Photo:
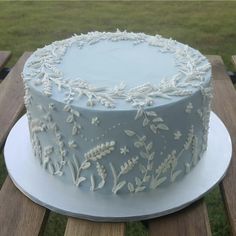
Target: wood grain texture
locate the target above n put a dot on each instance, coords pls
(4, 58)
(218, 68)
(88, 228)
(18, 214)
(11, 98)
(225, 107)
(192, 220)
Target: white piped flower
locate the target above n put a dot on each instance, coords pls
(95, 121)
(72, 144)
(124, 150)
(51, 106)
(177, 135)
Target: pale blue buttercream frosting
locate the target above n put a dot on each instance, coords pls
(107, 63)
(118, 113)
(117, 72)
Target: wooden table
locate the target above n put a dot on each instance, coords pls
(20, 216)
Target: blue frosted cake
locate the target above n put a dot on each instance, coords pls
(117, 113)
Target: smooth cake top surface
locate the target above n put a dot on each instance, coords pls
(118, 70)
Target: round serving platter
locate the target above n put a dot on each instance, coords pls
(50, 192)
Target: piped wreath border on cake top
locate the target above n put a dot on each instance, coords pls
(139, 97)
(192, 68)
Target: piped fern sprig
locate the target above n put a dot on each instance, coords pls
(72, 118)
(148, 155)
(37, 125)
(76, 169)
(151, 120)
(102, 174)
(94, 154)
(124, 169)
(27, 97)
(99, 151)
(170, 162)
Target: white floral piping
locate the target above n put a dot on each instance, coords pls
(191, 65)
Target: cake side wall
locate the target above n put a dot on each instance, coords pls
(117, 152)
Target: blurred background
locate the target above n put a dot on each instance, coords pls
(208, 26)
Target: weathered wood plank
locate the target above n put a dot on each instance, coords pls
(11, 98)
(218, 68)
(88, 228)
(4, 58)
(192, 220)
(18, 214)
(225, 107)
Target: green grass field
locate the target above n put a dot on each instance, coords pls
(207, 26)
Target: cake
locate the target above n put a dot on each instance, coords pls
(117, 112)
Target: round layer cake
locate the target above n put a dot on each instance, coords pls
(118, 112)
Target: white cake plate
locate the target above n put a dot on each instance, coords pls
(50, 192)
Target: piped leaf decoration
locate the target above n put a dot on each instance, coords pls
(140, 189)
(175, 175)
(146, 178)
(72, 170)
(76, 163)
(162, 126)
(150, 166)
(157, 119)
(130, 133)
(67, 108)
(114, 174)
(51, 168)
(151, 113)
(47, 86)
(101, 184)
(76, 113)
(80, 180)
(72, 144)
(145, 122)
(151, 156)
(153, 128)
(131, 187)
(85, 165)
(102, 174)
(92, 187)
(75, 130)
(100, 151)
(138, 181)
(187, 167)
(59, 173)
(70, 119)
(43, 68)
(119, 186)
(128, 166)
(144, 155)
(149, 146)
(157, 182)
(142, 168)
(138, 144)
(139, 114)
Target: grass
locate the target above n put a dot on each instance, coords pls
(207, 26)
